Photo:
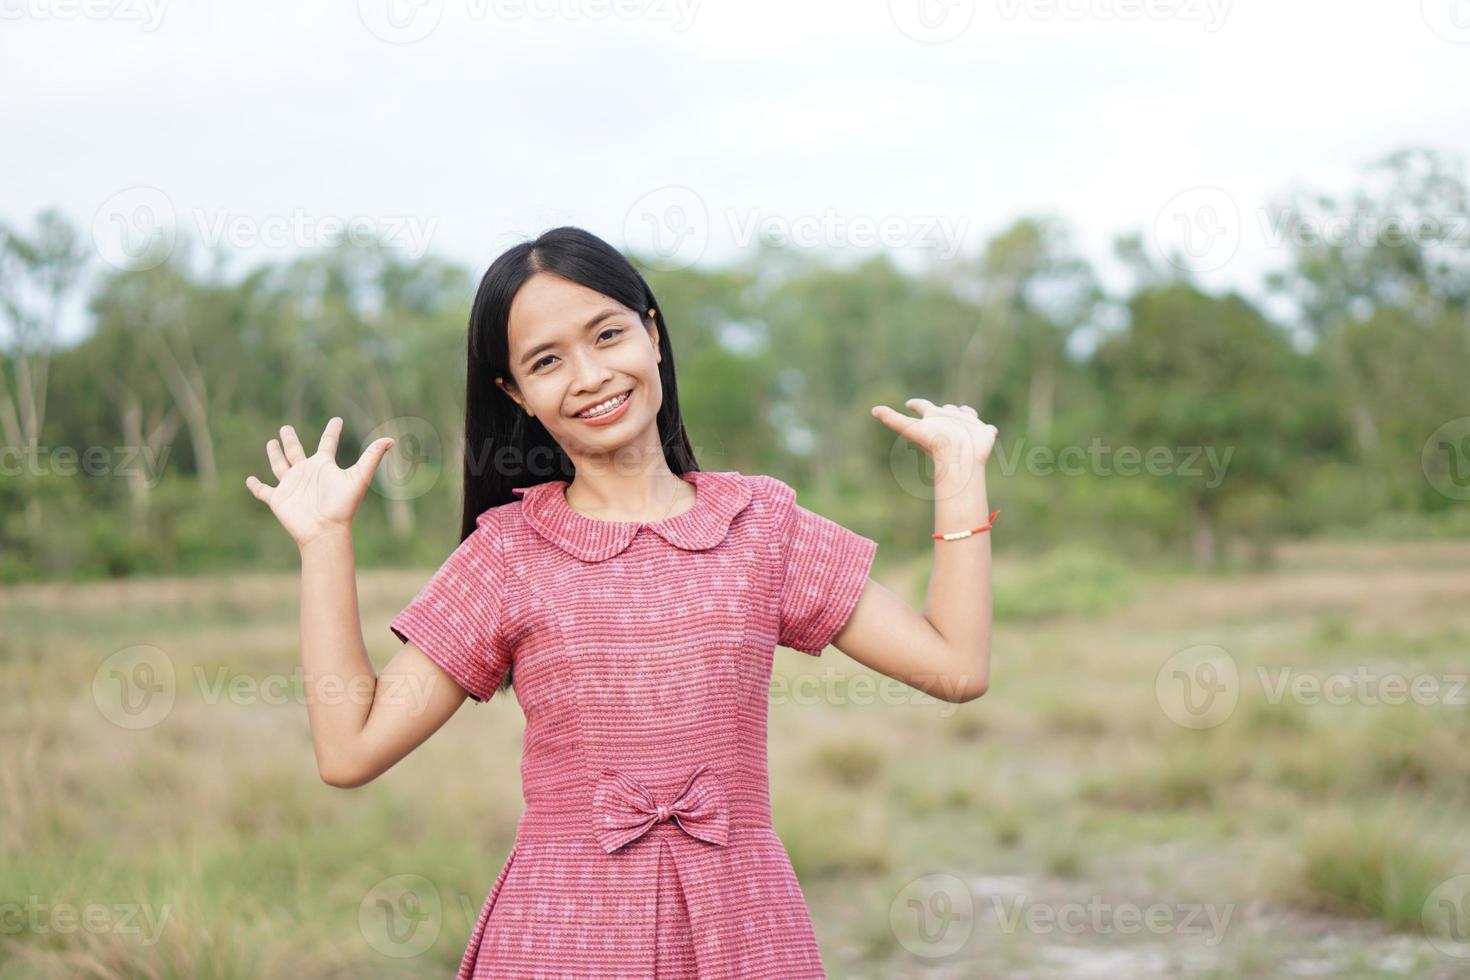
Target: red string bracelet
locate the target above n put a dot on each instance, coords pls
(956, 535)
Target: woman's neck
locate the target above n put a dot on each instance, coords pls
(646, 497)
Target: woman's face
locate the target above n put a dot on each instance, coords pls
(573, 349)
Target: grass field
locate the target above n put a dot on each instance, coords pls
(1263, 775)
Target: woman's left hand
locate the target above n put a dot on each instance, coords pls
(945, 432)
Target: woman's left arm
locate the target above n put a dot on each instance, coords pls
(945, 651)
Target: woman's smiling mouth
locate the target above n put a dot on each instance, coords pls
(607, 410)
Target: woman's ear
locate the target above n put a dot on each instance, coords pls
(653, 330)
(510, 393)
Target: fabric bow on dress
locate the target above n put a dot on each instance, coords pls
(623, 809)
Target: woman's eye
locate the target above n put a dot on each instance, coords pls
(615, 331)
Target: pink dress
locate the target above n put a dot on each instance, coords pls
(642, 662)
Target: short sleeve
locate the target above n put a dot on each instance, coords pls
(824, 567)
(456, 617)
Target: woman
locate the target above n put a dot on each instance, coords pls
(637, 601)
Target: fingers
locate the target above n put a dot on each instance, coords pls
(279, 466)
(924, 405)
(897, 421)
(292, 445)
(921, 405)
(367, 463)
(966, 409)
(327, 446)
(260, 490)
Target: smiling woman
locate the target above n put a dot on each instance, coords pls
(642, 643)
(603, 372)
(638, 601)
(571, 374)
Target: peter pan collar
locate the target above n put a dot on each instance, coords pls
(720, 495)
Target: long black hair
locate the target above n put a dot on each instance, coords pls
(503, 446)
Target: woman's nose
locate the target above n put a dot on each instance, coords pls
(591, 373)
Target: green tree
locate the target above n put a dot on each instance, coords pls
(1193, 370)
(1035, 293)
(39, 273)
(379, 339)
(1371, 272)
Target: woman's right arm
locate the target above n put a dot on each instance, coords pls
(362, 723)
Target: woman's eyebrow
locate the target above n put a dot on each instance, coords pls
(596, 319)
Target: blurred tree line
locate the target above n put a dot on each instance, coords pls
(1167, 421)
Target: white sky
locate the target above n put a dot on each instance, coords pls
(465, 125)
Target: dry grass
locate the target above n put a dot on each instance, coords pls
(1320, 826)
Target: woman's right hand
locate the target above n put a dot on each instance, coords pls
(314, 495)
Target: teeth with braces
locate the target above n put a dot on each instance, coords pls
(604, 407)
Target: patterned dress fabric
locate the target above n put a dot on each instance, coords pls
(640, 654)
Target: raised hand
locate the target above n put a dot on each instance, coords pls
(314, 495)
(944, 432)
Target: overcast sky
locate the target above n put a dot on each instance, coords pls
(685, 126)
